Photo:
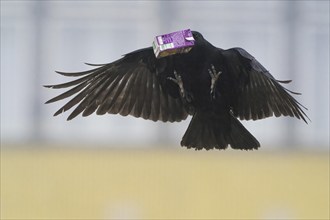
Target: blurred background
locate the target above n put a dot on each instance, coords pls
(114, 167)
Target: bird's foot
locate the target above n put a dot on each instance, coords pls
(178, 80)
(214, 78)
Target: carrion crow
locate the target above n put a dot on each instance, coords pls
(213, 85)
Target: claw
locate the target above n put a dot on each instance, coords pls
(178, 81)
(214, 77)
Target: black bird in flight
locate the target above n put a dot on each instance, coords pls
(213, 85)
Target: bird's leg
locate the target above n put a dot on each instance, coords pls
(214, 78)
(178, 81)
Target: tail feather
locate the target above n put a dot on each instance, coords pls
(210, 131)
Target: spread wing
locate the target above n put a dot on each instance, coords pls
(128, 86)
(256, 94)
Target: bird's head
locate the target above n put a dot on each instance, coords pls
(197, 36)
(199, 39)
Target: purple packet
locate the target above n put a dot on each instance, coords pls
(173, 43)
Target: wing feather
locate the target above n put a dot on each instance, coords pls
(155, 107)
(91, 93)
(257, 93)
(128, 86)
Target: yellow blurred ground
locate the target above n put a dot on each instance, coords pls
(163, 184)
